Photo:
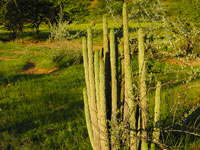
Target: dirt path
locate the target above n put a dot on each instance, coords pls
(182, 61)
(66, 44)
(6, 58)
(31, 68)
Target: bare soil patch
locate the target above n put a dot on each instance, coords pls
(66, 44)
(182, 61)
(3, 50)
(30, 68)
(22, 52)
(6, 58)
(39, 71)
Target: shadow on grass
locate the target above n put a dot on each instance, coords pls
(79, 33)
(183, 131)
(19, 77)
(43, 35)
(56, 115)
(194, 118)
(8, 36)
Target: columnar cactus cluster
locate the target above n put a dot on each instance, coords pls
(126, 128)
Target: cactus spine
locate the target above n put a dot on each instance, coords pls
(102, 112)
(87, 117)
(142, 89)
(93, 107)
(156, 132)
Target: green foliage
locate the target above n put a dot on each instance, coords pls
(16, 14)
(64, 59)
(99, 8)
(75, 10)
(40, 11)
(59, 32)
(187, 10)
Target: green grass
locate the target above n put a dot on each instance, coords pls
(28, 34)
(80, 28)
(178, 97)
(45, 111)
(40, 111)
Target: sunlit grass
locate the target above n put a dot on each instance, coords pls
(45, 110)
(40, 111)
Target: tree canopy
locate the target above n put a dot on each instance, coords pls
(15, 14)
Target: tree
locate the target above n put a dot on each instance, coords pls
(14, 16)
(75, 10)
(40, 11)
(16, 13)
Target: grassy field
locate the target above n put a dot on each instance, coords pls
(41, 104)
(75, 29)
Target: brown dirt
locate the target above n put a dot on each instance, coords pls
(30, 68)
(66, 44)
(183, 61)
(6, 58)
(22, 52)
(39, 71)
(3, 50)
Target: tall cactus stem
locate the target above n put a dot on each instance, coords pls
(96, 66)
(93, 108)
(86, 96)
(129, 111)
(97, 82)
(105, 37)
(156, 132)
(127, 61)
(103, 118)
(114, 81)
(107, 67)
(142, 89)
(131, 105)
(122, 85)
(87, 117)
(85, 62)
